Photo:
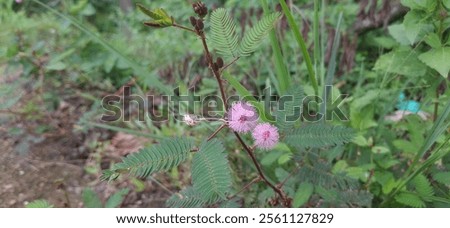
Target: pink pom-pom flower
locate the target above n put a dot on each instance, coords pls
(242, 117)
(266, 136)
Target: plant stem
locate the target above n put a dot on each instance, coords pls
(261, 174)
(185, 28)
(217, 75)
(216, 132)
(245, 187)
(280, 185)
(229, 64)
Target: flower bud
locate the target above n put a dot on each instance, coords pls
(200, 25)
(219, 62)
(215, 67)
(193, 21)
(200, 9)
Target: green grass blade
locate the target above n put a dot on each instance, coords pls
(317, 50)
(139, 69)
(438, 128)
(283, 76)
(323, 41)
(435, 156)
(302, 44)
(331, 67)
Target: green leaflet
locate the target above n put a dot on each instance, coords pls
(304, 192)
(289, 108)
(319, 135)
(91, 199)
(253, 38)
(187, 198)
(211, 175)
(423, 186)
(410, 199)
(169, 153)
(442, 177)
(117, 198)
(224, 36)
(39, 204)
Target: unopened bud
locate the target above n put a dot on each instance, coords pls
(219, 62)
(215, 67)
(200, 25)
(193, 21)
(200, 9)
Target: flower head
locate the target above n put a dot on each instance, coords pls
(266, 136)
(242, 117)
(190, 120)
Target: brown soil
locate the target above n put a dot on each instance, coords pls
(51, 165)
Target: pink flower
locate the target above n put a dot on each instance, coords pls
(266, 136)
(242, 117)
(18, 1)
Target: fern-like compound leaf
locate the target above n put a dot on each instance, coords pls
(319, 135)
(39, 204)
(211, 175)
(253, 38)
(423, 186)
(289, 108)
(223, 30)
(410, 199)
(187, 198)
(169, 153)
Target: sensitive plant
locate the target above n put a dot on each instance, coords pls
(211, 175)
(389, 163)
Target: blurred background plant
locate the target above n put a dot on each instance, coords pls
(59, 58)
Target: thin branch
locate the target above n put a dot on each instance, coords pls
(280, 185)
(215, 72)
(185, 28)
(216, 132)
(229, 64)
(257, 179)
(160, 185)
(260, 172)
